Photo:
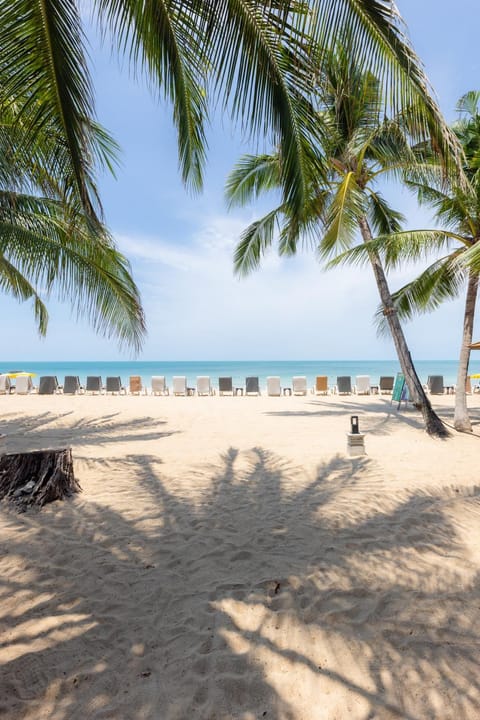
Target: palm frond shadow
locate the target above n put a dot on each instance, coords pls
(191, 601)
(382, 419)
(37, 431)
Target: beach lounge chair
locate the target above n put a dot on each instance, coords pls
(135, 385)
(94, 384)
(299, 385)
(71, 385)
(344, 385)
(252, 386)
(204, 386)
(159, 386)
(48, 385)
(179, 385)
(23, 385)
(386, 384)
(362, 384)
(321, 385)
(273, 386)
(225, 386)
(114, 385)
(5, 384)
(435, 385)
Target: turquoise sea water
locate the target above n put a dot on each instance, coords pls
(239, 370)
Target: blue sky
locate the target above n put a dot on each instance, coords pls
(180, 246)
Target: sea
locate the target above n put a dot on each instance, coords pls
(237, 369)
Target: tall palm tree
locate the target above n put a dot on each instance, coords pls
(359, 145)
(457, 210)
(49, 244)
(240, 51)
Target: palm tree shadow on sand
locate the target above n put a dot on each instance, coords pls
(259, 596)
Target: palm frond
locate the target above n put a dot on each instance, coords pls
(13, 283)
(347, 205)
(251, 176)
(164, 40)
(254, 242)
(381, 46)
(45, 80)
(61, 253)
(384, 220)
(442, 280)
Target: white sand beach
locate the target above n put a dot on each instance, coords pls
(227, 560)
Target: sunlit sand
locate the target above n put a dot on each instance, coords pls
(227, 560)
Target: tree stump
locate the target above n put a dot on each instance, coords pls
(36, 478)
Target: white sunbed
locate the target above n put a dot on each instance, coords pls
(4, 384)
(204, 386)
(159, 386)
(179, 385)
(273, 386)
(362, 384)
(299, 385)
(23, 385)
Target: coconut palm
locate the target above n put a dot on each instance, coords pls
(358, 147)
(238, 51)
(457, 210)
(50, 245)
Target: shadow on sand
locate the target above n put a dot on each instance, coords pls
(257, 598)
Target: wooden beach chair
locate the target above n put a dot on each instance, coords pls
(321, 385)
(385, 384)
(135, 385)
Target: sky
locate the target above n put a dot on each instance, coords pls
(180, 246)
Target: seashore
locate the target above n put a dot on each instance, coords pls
(227, 560)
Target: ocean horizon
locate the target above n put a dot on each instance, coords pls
(237, 369)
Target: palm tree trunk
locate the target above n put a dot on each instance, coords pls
(461, 419)
(433, 424)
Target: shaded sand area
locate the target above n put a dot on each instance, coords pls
(226, 560)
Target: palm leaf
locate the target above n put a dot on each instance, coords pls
(254, 241)
(251, 176)
(164, 40)
(346, 206)
(45, 79)
(13, 283)
(57, 252)
(443, 280)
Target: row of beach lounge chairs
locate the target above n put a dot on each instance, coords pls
(49, 385)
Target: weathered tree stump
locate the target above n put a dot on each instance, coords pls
(36, 478)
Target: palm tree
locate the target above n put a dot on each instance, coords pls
(359, 146)
(253, 55)
(48, 243)
(457, 209)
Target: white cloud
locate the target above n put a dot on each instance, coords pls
(196, 308)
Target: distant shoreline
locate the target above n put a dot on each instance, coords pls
(237, 369)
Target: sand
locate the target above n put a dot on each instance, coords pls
(227, 560)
